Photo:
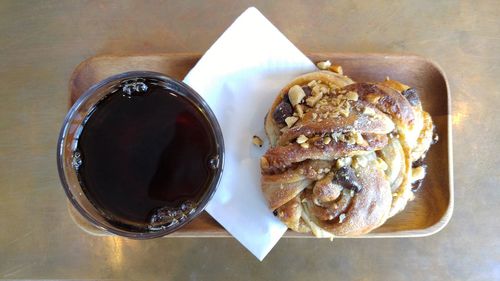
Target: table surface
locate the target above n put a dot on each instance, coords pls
(42, 42)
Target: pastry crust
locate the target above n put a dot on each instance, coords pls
(342, 163)
(337, 80)
(366, 210)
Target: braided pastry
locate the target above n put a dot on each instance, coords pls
(340, 161)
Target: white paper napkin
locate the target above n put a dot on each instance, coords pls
(239, 77)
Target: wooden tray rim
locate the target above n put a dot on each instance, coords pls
(424, 232)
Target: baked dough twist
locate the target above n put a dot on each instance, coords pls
(340, 161)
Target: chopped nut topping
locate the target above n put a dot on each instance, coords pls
(312, 84)
(342, 162)
(345, 112)
(334, 114)
(342, 137)
(359, 161)
(341, 218)
(337, 69)
(351, 140)
(300, 110)
(301, 139)
(304, 145)
(257, 141)
(323, 65)
(369, 111)
(314, 115)
(359, 138)
(336, 136)
(327, 140)
(320, 88)
(312, 100)
(382, 164)
(296, 94)
(335, 206)
(290, 121)
(418, 173)
(333, 87)
(352, 96)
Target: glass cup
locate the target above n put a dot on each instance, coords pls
(73, 125)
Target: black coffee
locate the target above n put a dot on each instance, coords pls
(144, 156)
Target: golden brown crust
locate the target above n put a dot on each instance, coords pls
(388, 101)
(282, 157)
(290, 213)
(424, 140)
(394, 157)
(415, 140)
(363, 212)
(280, 188)
(377, 123)
(272, 129)
(342, 163)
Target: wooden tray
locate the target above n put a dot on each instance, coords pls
(427, 214)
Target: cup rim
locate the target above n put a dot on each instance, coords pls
(187, 92)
